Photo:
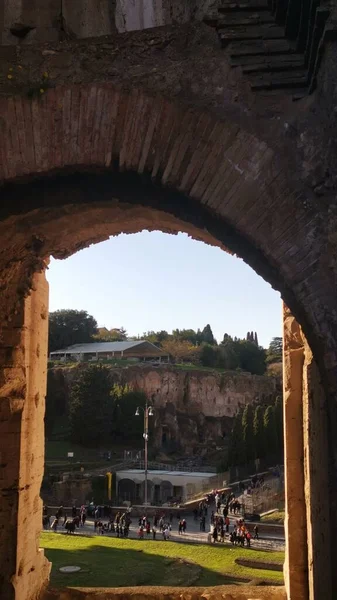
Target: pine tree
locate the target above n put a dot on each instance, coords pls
(248, 433)
(256, 339)
(258, 428)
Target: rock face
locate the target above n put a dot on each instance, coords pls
(33, 21)
(193, 409)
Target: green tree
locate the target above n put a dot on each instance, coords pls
(207, 335)
(259, 432)
(278, 411)
(187, 335)
(91, 406)
(228, 357)
(274, 352)
(251, 357)
(236, 455)
(125, 423)
(112, 335)
(270, 432)
(156, 337)
(68, 327)
(248, 433)
(56, 399)
(208, 355)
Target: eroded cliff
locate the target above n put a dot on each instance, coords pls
(193, 408)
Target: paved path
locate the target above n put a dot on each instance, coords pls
(192, 535)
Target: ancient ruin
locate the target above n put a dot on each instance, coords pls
(194, 409)
(166, 129)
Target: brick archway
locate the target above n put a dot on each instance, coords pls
(87, 161)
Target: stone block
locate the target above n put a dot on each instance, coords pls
(88, 18)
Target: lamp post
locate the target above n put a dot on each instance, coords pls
(148, 412)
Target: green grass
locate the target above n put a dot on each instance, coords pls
(276, 517)
(111, 562)
(58, 450)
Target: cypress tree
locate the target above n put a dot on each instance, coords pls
(248, 433)
(236, 448)
(207, 335)
(270, 432)
(279, 425)
(258, 428)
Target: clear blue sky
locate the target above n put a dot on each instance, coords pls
(152, 281)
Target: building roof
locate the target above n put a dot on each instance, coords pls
(196, 474)
(104, 347)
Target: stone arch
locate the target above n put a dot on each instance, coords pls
(126, 489)
(218, 180)
(166, 491)
(93, 160)
(150, 490)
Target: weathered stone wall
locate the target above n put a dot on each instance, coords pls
(309, 561)
(141, 14)
(196, 407)
(24, 570)
(32, 21)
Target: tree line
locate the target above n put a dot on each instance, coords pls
(103, 411)
(68, 327)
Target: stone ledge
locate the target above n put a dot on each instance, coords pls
(169, 593)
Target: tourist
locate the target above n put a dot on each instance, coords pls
(83, 518)
(54, 524)
(141, 533)
(73, 511)
(180, 527)
(222, 533)
(212, 517)
(154, 532)
(59, 512)
(215, 535)
(227, 524)
(46, 521)
(148, 528)
(248, 538)
(256, 532)
(184, 525)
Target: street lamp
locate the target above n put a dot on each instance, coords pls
(148, 412)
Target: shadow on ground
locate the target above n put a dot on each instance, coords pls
(102, 566)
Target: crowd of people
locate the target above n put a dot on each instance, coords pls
(223, 505)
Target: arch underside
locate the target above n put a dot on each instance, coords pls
(93, 159)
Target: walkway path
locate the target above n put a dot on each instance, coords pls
(192, 535)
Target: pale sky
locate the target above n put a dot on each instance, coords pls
(153, 281)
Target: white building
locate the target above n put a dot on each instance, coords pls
(163, 486)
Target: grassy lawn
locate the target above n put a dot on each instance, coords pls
(111, 562)
(276, 517)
